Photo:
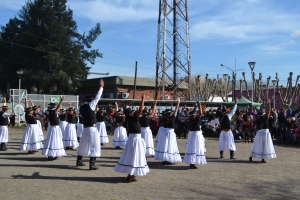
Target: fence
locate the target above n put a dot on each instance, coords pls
(18, 103)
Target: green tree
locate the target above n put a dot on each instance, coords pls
(43, 41)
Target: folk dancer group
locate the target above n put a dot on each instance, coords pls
(131, 132)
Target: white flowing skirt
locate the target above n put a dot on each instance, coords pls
(41, 134)
(195, 149)
(263, 146)
(133, 159)
(102, 131)
(31, 139)
(3, 134)
(226, 141)
(54, 145)
(159, 133)
(62, 126)
(79, 130)
(167, 149)
(120, 137)
(147, 136)
(89, 143)
(69, 136)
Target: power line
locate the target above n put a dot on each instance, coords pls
(24, 46)
(60, 44)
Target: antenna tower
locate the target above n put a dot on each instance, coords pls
(173, 69)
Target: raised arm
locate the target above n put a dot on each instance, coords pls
(233, 109)
(4, 101)
(154, 108)
(177, 107)
(31, 102)
(94, 102)
(200, 109)
(26, 103)
(141, 108)
(58, 106)
(117, 106)
(269, 108)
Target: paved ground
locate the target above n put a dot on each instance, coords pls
(26, 176)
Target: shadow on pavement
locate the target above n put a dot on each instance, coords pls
(37, 175)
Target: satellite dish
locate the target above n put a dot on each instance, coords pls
(19, 109)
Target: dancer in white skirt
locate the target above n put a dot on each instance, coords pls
(263, 145)
(146, 131)
(62, 120)
(133, 158)
(195, 145)
(161, 128)
(54, 147)
(90, 141)
(36, 114)
(167, 149)
(120, 135)
(31, 140)
(79, 130)
(4, 121)
(69, 136)
(226, 139)
(101, 126)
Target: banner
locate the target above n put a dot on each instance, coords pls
(55, 99)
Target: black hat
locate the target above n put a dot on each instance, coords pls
(34, 107)
(70, 109)
(51, 104)
(62, 110)
(145, 112)
(168, 111)
(259, 114)
(4, 107)
(28, 109)
(88, 97)
(129, 110)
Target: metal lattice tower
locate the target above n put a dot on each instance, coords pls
(173, 50)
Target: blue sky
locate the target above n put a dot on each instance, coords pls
(231, 32)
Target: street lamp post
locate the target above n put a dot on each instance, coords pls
(225, 76)
(19, 72)
(252, 65)
(233, 79)
(274, 83)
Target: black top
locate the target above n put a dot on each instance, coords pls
(271, 121)
(169, 121)
(100, 118)
(71, 119)
(3, 121)
(80, 119)
(133, 125)
(195, 124)
(62, 117)
(119, 120)
(88, 115)
(225, 122)
(30, 119)
(281, 118)
(262, 124)
(53, 118)
(144, 121)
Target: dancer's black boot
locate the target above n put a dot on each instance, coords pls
(79, 161)
(232, 155)
(93, 163)
(221, 154)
